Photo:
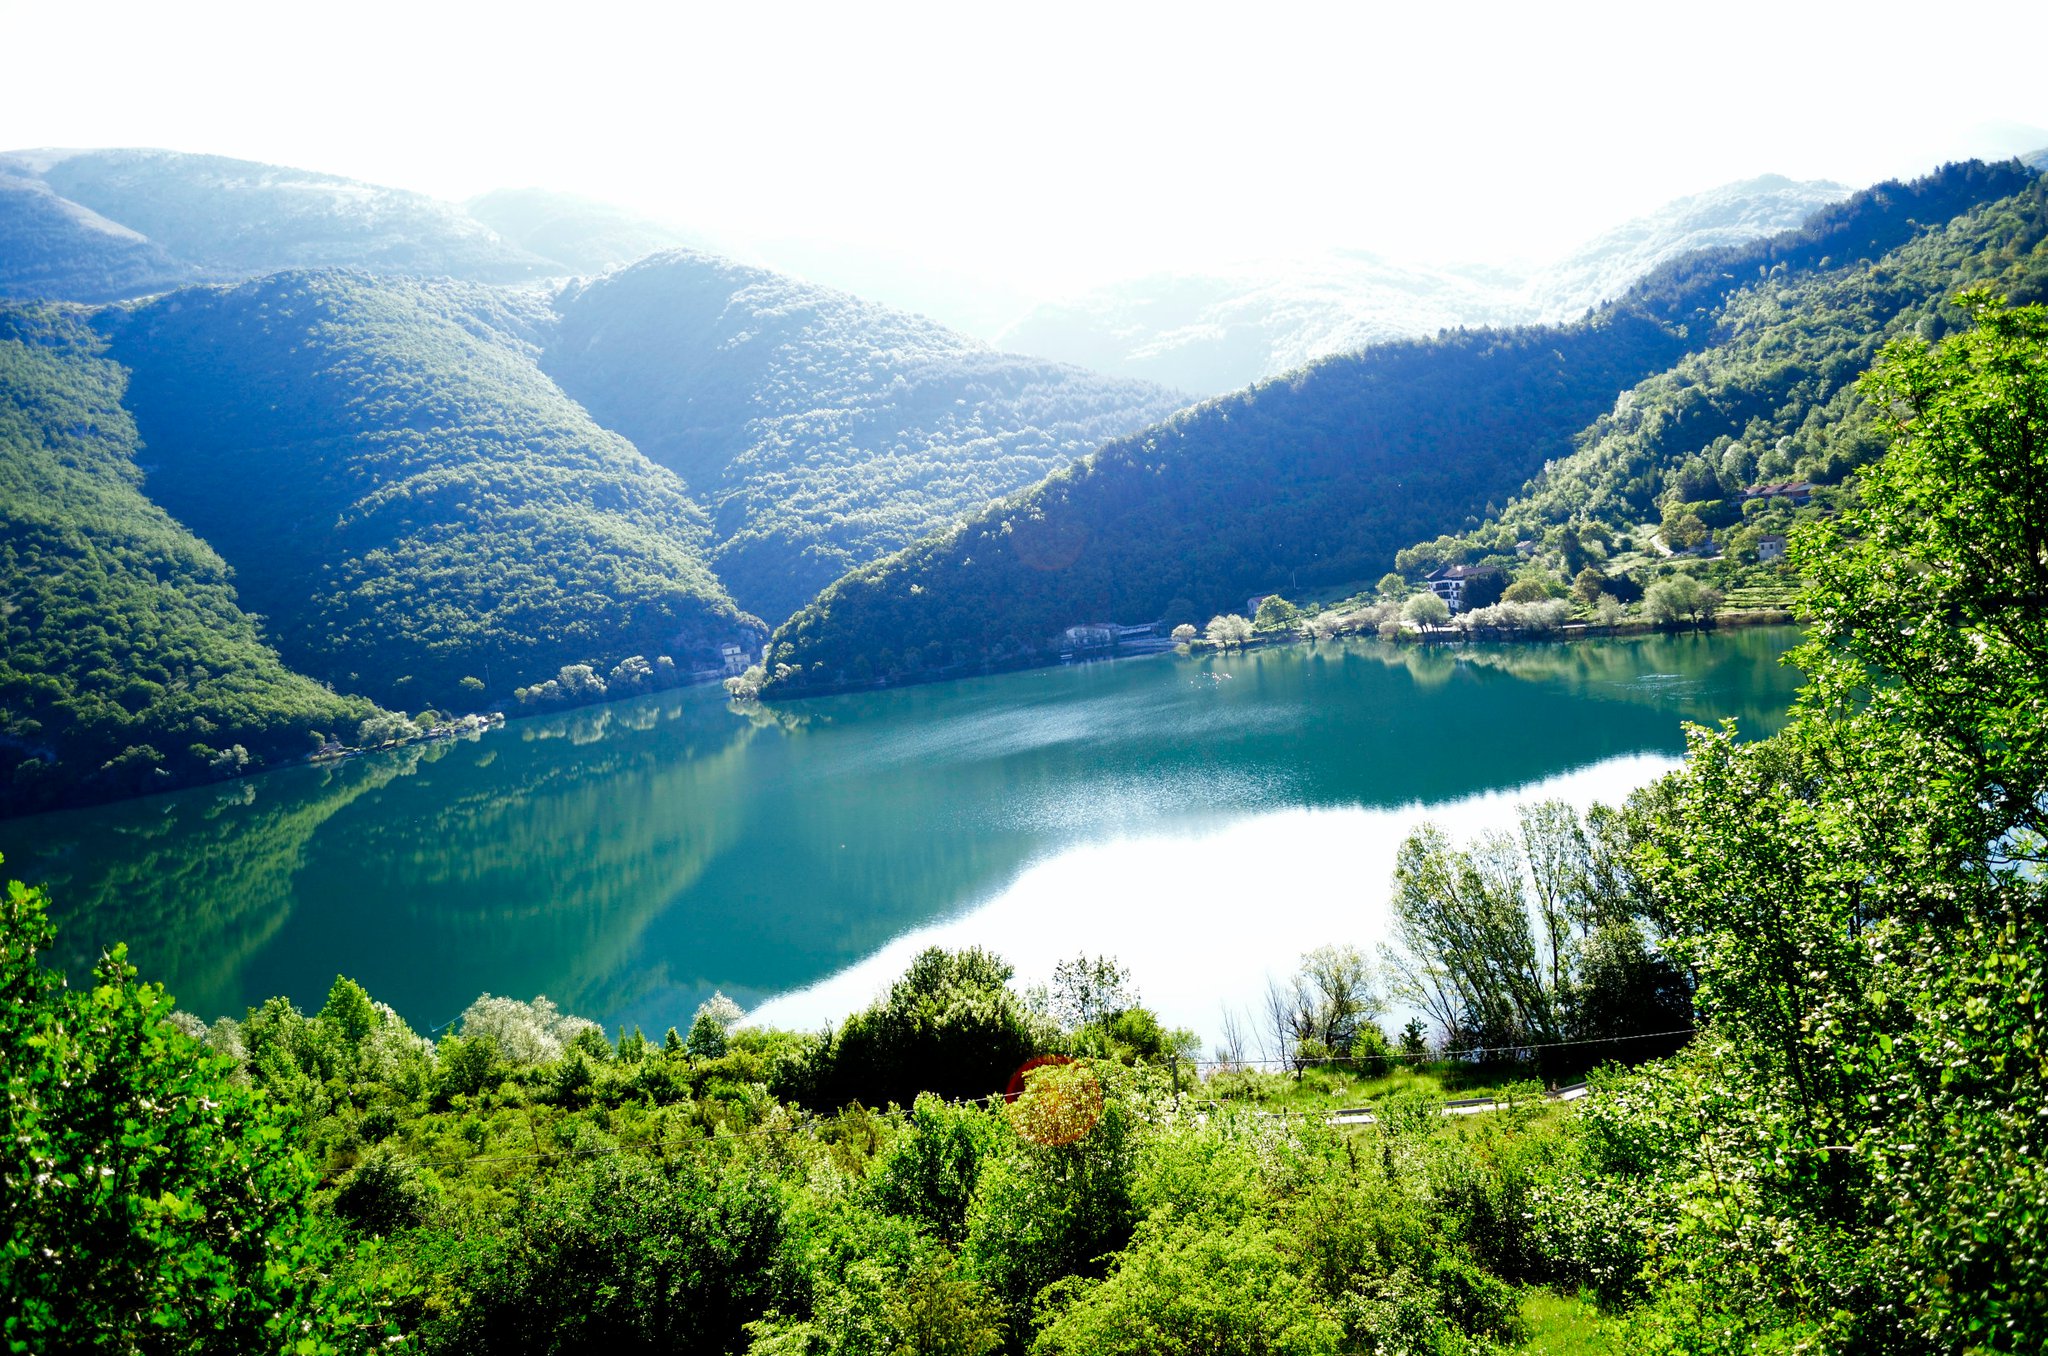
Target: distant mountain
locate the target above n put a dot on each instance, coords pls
(226, 218)
(53, 247)
(102, 225)
(126, 663)
(421, 514)
(1214, 332)
(1217, 331)
(819, 430)
(1320, 477)
(1733, 214)
(579, 234)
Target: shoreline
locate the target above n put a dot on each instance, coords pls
(1571, 632)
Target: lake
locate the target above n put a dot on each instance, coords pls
(1205, 820)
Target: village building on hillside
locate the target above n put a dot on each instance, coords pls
(1449, 582)
(1770, 548)
(1798, 492)
(1087, 636)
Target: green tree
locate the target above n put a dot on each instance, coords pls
(711, 1028)
(1426, 609)
(1228, 630)
(1089, 990)
(1930, 597)
(951, 1025)
(1275, 614)
(1467, 954)
(1860, 899)
(1332, 998)
(1588, 585)
(1679, 598)
(150, 1202)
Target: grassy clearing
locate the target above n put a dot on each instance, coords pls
(1569, 1325)
(1330, 1087)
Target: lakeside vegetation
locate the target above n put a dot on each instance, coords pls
(1846, 1158)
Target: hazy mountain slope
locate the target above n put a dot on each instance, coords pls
(581, 235)
(1312, 479)
(126, 664)
(820, 430)
(1607, 265)
(51, 247)
(1217, 331)
(236, 218)
(404, 494)
(105, 224)
(1774, 398)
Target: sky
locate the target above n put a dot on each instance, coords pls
(1029, 151)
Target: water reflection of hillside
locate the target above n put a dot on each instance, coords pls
(195, 883)
(1704, 676)
(535, 871)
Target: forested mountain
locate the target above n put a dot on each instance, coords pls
(1310, 480)
(582, 235)
(1772, 401)
(418, 510)
(1216, 331)
(126, 664)
(820, 430)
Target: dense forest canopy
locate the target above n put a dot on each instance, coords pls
(418, 514)
(819, 430)
(126, 662)
(405, 495)
(1310, 481)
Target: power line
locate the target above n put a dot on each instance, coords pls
(1441, 1054)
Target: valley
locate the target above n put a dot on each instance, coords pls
(567, 785)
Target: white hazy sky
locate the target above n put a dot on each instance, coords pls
(1036, 148)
